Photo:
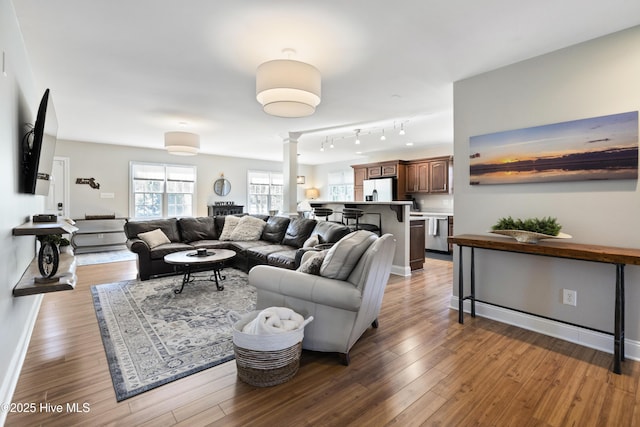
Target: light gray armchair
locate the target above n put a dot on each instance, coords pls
(342, 309)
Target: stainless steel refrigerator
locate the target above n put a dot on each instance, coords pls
(380, 190)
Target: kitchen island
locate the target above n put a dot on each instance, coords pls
(393, 218)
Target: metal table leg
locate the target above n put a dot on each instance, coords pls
(622, 306)
(472, 297)
(217, 276)
(185, 279)
(618, 334)
(460, 287)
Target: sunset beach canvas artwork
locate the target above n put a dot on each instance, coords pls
(599, 148)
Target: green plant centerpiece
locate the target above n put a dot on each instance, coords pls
(529, 230)
(56, 239)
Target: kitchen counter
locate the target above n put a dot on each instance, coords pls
(393, 217)
(423, 214)
(401, 207)
(334, 202)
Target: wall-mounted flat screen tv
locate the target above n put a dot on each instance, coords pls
(38, 149)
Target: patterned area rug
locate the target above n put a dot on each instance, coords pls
(153, 336)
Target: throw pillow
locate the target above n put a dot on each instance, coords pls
(345, 254)
(230, 223)
(249, 228)
(311, 241)
(274, 230)
(313, 264)
(154, 238)
(298, 231)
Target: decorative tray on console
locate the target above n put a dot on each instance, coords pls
(523, 236)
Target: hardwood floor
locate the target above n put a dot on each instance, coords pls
(419, 368)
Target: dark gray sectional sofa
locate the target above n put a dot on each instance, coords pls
(280, 244)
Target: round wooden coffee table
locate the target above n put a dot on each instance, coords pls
(190, 260)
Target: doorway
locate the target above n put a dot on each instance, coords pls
(57, 202)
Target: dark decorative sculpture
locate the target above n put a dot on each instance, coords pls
(91, 181)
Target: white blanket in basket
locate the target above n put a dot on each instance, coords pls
(274, 320)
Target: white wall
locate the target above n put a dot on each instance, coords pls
(592, 79)
(18, 103)
(109, 165)
(321, 173)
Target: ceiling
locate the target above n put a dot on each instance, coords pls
(126, 71)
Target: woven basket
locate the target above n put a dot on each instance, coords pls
(267, 368)
(266, 360)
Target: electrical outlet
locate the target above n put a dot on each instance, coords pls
(569, 297)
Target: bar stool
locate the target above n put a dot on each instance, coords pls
(322, 212)
(354, 214)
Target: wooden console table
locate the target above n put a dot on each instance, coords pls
(215, 210)
(557, 249)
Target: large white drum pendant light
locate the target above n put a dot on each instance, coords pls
(288, 88)
(182, 143)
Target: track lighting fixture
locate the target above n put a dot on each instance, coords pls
(359, 132)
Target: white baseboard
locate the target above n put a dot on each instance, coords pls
(571, 333)
(10, 380)
(399, 270)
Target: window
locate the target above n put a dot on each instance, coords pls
(340, 186)
(265, 192)
(161, 191)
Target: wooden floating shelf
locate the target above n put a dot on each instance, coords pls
(66, 278)
(44, 228)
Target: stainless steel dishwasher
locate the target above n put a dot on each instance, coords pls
(436, 233)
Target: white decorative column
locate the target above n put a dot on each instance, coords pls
(290, 174)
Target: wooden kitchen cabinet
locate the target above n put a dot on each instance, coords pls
(359, 175)
(383, 170)
(411, 171)
(416, 244)
(389, 169)
(428, 175)
(439, 174)
(374, 172)
(417, 180)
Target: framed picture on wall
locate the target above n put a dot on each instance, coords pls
(598, 148)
